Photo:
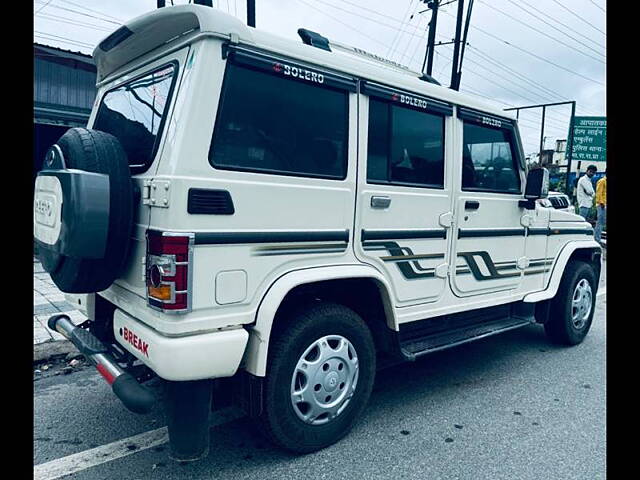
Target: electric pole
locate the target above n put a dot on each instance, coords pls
(428, 58)
(459, 46)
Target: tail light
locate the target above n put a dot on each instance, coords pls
(168, 271)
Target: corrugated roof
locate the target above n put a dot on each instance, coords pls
(62, 53)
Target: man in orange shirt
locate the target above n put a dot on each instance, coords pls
(601, 206)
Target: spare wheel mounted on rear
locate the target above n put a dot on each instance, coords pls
(83, 211)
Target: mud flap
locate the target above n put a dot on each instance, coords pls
(188, 405)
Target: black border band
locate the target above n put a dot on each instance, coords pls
(218, 238)
(404, 234)
(502, 232)
(291, 69)
(406, 99)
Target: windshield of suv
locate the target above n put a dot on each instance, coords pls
(135, 112)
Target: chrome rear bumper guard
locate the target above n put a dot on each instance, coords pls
(133, 395)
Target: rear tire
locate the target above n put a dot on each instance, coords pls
(336, 379)
(98, 152)
(572, 308)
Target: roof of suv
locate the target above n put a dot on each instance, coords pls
(166, 25)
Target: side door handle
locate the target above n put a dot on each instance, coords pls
(380, 202)
(471, 205)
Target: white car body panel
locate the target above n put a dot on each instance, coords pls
(237, 286)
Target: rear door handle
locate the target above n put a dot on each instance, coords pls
(471, 205)
(380, 202)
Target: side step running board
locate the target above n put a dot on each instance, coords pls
(439, 341)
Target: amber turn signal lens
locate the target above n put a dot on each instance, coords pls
(163, 292)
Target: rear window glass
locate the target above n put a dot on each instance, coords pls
(274, 125)
(135, 112)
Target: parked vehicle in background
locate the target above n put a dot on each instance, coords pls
(267, 222)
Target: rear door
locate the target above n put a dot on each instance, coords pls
(404, 191)
(490, 230)
(135, 108)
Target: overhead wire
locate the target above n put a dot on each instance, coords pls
(532, 54)
(596, 5)
(404, 17)
(542, 19)
(55, 18)
(534, 84)
(493, 7)
(83, 7)
(579, 17)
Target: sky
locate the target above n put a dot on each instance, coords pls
(519, 52)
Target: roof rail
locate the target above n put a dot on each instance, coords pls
(315, 39)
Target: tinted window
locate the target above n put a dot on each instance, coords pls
(274, 125)
(488, 160)
(405, 146)
(134, 113)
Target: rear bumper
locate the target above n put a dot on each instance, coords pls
(194, 357)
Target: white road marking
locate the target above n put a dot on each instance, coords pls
(105, 453)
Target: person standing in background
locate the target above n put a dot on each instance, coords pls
(601, 206)
(586, 192)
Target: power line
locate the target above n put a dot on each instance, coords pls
(85, 15)
(517, 4)
(343, 23)
(415, 30)
(92, 26)
(396, 36)
(43, 7)
(579, 17)
(546, 34)
(598, 6)
(533, 54)
(68, 2)
(48, 37)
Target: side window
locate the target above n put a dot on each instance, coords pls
(280, 126)
(135, 112)
(406, 147)
(488, 160)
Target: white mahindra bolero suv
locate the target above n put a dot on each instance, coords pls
(264, 222)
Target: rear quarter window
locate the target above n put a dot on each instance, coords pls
(135, 112)
(269, 124)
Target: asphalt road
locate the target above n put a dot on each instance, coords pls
(509, 406)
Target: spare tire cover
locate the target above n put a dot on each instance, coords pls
(98, 152)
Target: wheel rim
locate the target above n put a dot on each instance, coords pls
(581, 303)
(324, 380)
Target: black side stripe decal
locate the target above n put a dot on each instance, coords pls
(402, 234)
(397, 253)
(510, 232)
(502, 232)
(217, 238)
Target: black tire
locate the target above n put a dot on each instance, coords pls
(279, 421)
(98, 152)
(560, 327)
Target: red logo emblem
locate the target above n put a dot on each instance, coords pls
(134, 340)
(395, 97)
(277, 67)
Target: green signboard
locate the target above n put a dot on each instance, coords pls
(589, 139)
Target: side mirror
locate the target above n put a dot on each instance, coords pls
(537, 187)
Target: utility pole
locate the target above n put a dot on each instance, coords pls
(456, 68)
(428, 58)
(456, 43)
(251, 13)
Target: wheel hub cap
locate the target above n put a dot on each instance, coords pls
(581, 303)
(324, 379)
